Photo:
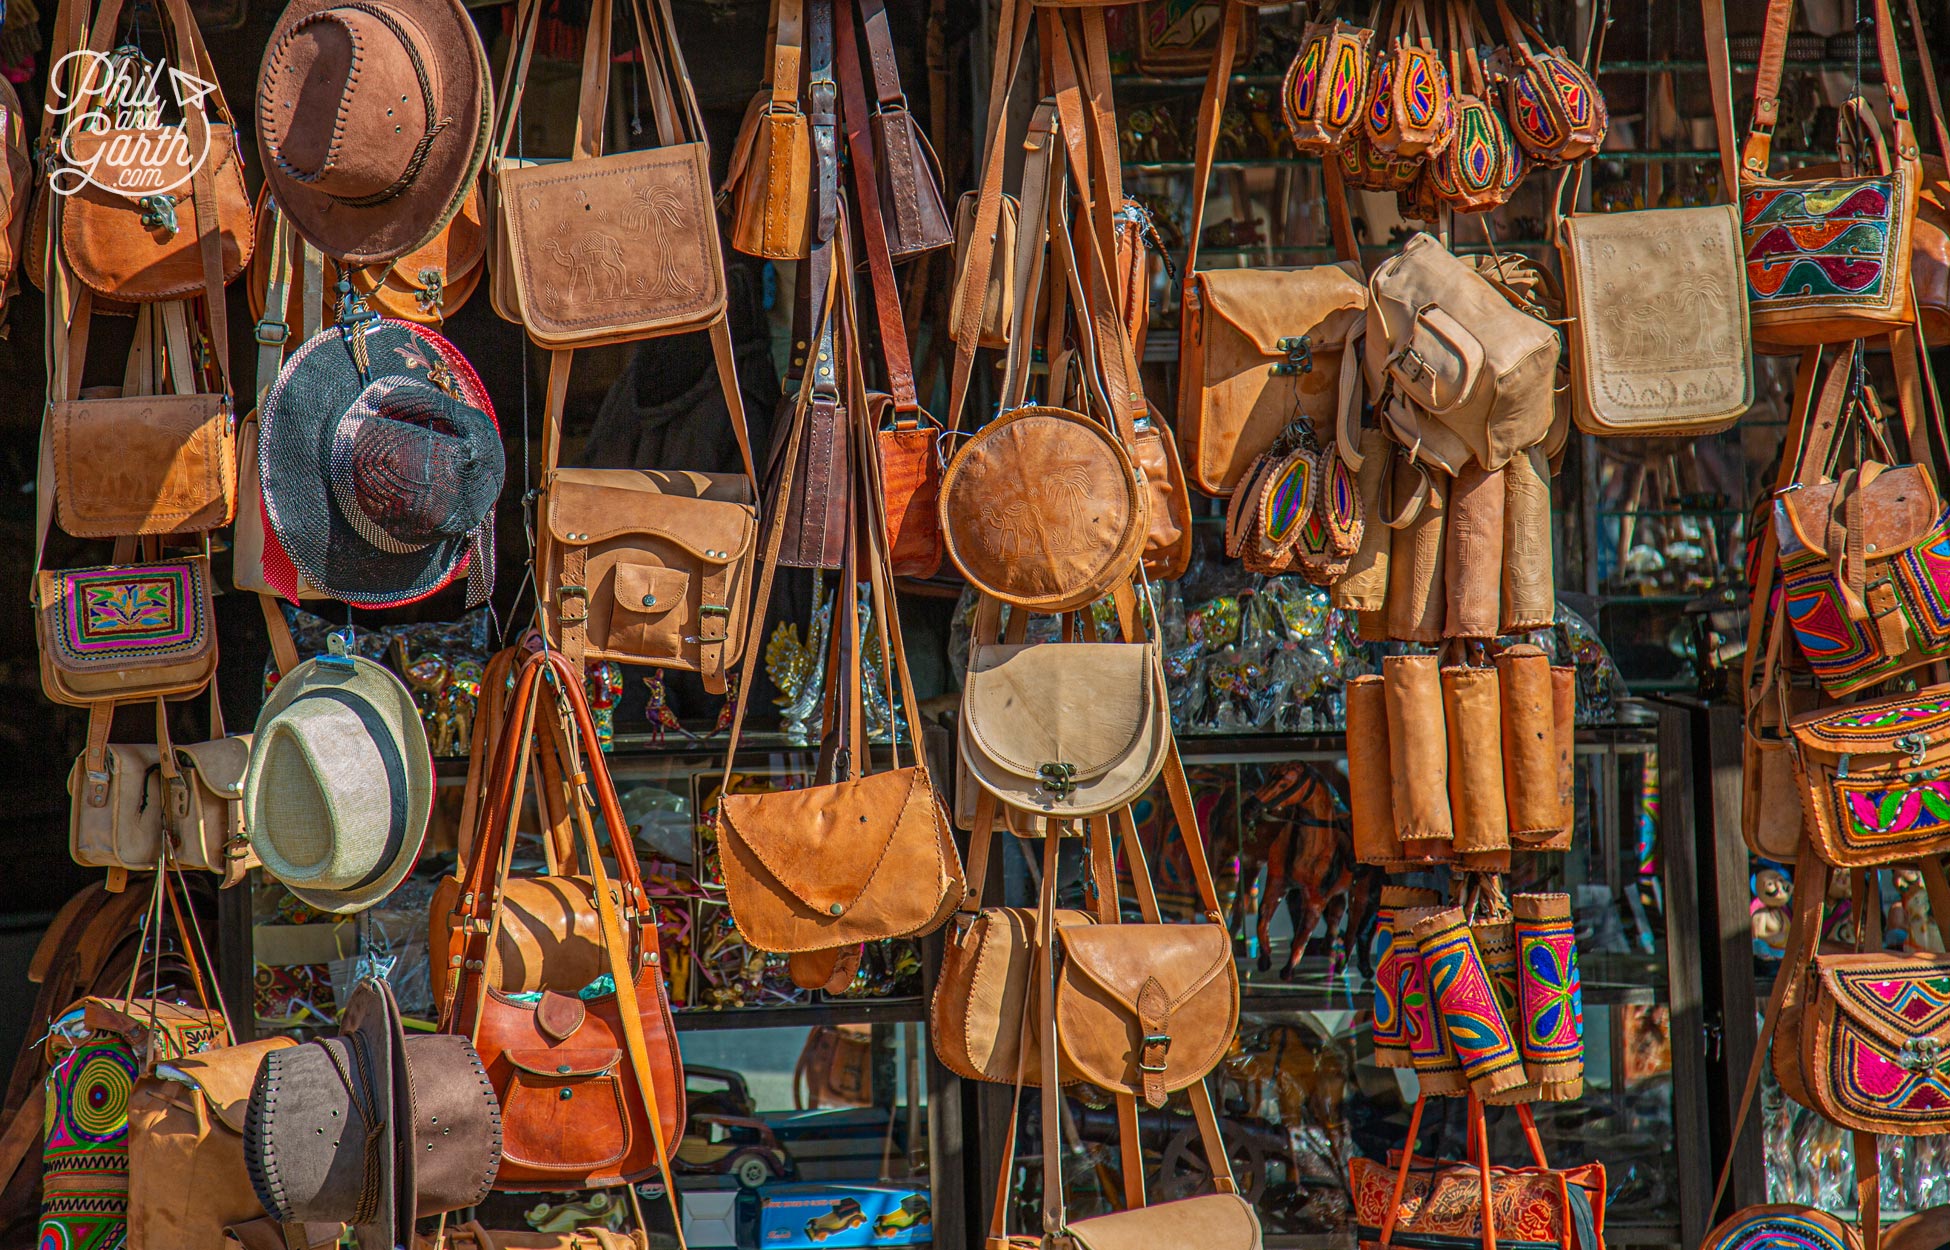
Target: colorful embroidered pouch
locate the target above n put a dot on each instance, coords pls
(1873, 779)
(1441, 1206)
(126, 631)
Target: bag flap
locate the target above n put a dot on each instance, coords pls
(1900, 508)
(1903, 724)
(1082, 704)
(1210, 1222)
(563, 1061)
(175, 163)
(824, 844)
(1903, 1000)
(709, 515)
(1267, 305)
(1120, 958)
(219, 764)
(224, 1077)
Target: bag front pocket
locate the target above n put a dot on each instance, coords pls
(646, 618)
(565, 1111)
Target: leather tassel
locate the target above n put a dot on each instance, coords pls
(1551, 1038)
(1531, 785)
(1529, 582)
(1466, 1004)
(1416, 603)
(1392, 974)
(1418, 751)
(1473, 554)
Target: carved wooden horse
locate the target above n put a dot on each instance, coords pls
(1297, 828)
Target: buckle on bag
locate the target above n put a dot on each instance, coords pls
(563, 594)
(271, 333)
(1299, 356)
(1163, 1042)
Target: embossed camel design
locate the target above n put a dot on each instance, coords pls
(594, 261)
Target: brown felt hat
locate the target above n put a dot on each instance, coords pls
(372, 121)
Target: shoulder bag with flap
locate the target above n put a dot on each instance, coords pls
(769, 185)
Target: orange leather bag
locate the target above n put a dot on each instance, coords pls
(591, 1089)
(769, 186)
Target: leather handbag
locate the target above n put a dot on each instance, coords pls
(1064, 730)
(1411, 98)
(591, 1088)
(1063, 537)
(1411, 1200)
(1482, 165)
(187, 1180)
(1472, 375)
(1551, 104)
(16, 188)
(910, 477)
(1145, 1009)
(1175, 37)
(769, 185)
(908, 173)
(127, 798)
(1827, 259)
(994, 326)
(149, 249)
(121, 632)
(1258, 348)
(835, 1068)
(1776, 1224)
(646, 566)
(1168, 539)
(611, 248)
(1659, 342)
(983, 990)
(1326, 86)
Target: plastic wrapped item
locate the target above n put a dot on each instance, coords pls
(889, 969)
(731, 973)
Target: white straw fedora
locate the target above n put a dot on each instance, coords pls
(340, 782)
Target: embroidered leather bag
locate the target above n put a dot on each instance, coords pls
(1828, 259)
(122, 632)
(1779, 1224)
(1411, 100)
(1551, 104)
(591, 1088)
(1482, 165)
(1870, 780)
(1659, 343)
(1874, 1036)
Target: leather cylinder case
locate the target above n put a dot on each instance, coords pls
(1474, 718)
(1529, 579)
(1550, 1035)
(1467, 1005)
(1564, 709)
(1370, 798)
(772, 192)
(1364, 586)
(1530, 781)
(1417, 597)
(1065, 729)
(1430, 1052)
(1392, 974)
(187, 1179)
(1418, 749)
(1473, 554)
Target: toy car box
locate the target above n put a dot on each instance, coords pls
(833, 1216)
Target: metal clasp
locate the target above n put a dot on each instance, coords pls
(1917, 745)
(271, 333)
(1920, 1054)
(159, 213)
(1299, 356)
(1058, 778)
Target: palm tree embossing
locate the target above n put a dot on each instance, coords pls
(1049, 511)
(656, 210)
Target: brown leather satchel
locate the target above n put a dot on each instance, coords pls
(909, 174)
(769, 184)
(187, 1179)
(591, 1089)
(993, 324)
(147, 249)
(1259, 347)
(835, 1068)
(127, 798)
(611, 248)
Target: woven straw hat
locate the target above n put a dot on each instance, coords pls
(340, 783)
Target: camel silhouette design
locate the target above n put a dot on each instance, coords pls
(595, 262)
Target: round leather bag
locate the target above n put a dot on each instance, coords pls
(1042, 509)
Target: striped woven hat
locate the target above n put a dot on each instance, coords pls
(381, 462)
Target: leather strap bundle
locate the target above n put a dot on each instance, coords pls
(591, 1087)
